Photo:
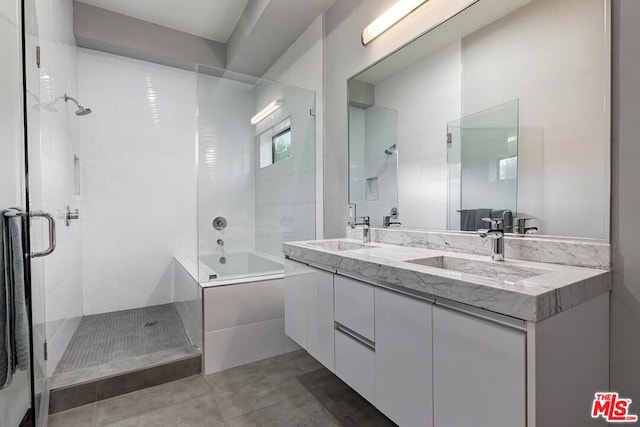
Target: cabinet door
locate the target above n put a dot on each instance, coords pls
(479, 372)
(297, 279)
(320, 329)
(404, 358)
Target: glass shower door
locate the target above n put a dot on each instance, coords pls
(16, 389)
(38, 228)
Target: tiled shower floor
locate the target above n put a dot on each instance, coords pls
(110, 337)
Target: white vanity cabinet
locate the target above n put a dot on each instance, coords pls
(403, 356)
(445, 364)
(308, 306)
(479, 372)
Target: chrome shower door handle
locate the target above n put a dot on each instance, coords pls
(52, 233)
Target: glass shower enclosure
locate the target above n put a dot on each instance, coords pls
(482, 163)
(256, 174)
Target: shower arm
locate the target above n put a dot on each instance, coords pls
(68, 98)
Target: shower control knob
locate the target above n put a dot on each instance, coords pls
(219, 223)
(70, 215)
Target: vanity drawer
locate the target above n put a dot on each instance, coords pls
(355, 365)
(354, 306)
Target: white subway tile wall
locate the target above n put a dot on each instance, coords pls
(138, 179)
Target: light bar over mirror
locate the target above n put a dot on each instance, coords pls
(389, 18)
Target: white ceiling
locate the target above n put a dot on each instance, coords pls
(211, 19)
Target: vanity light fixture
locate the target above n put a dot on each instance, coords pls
(388, 19)
(266, 111)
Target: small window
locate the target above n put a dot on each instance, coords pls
(275, 144)
(508, 168)
(282, 145)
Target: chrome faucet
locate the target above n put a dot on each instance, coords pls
(520, 226)
(366, 235)
(496, 234)
(386, 221)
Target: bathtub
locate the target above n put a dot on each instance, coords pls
(238, 267)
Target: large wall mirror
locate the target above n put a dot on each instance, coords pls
(501, 111)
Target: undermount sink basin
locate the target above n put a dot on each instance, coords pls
(341, 245)
(493, 270)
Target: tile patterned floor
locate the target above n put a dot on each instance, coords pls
(283, 391)
(120, 335)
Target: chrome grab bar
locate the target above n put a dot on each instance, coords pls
(52, 229)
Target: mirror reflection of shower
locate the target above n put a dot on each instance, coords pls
(393, 149)
(389, 152)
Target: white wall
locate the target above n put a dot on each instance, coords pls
(138, 181)
(558, 74)
(14, 400)
(302, 66)
(52, 144)
(427, 95)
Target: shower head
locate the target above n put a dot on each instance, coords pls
(391, 150)
(82, 111)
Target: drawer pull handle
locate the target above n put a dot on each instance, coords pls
(356, 336)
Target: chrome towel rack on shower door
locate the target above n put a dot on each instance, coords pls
(52, 228)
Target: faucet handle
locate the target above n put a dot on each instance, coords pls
(366, 219)
(496, 223)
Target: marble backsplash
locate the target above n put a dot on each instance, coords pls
(574, 252)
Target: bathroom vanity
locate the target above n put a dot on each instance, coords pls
(440, 338)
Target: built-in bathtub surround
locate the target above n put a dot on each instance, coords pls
(243, 323)
(573, 252)
(545, 290)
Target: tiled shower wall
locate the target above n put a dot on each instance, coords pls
(138, 179)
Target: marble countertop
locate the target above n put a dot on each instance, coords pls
(556, 289)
